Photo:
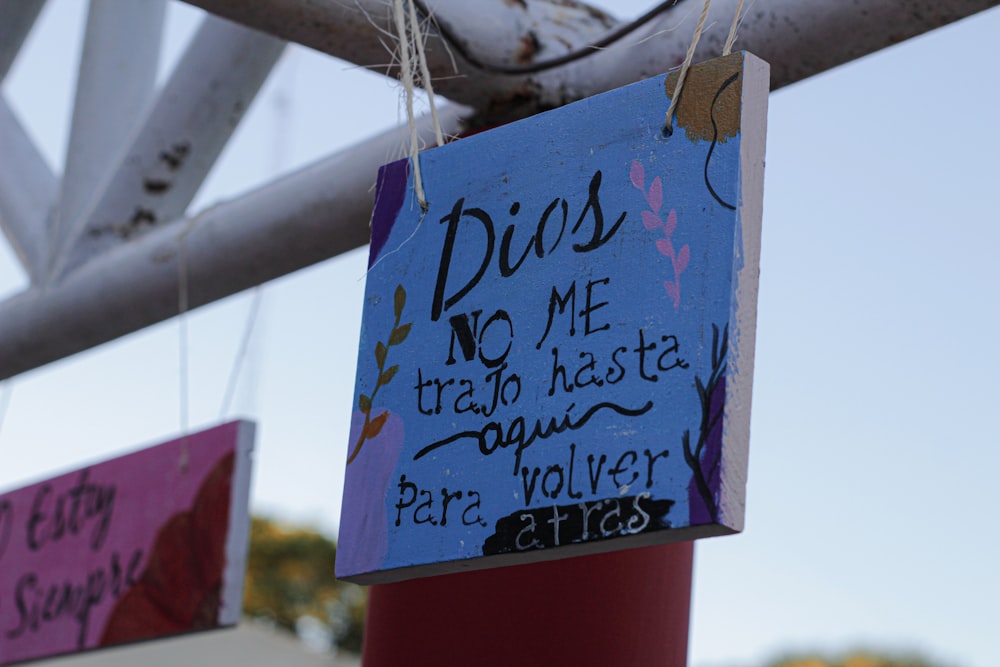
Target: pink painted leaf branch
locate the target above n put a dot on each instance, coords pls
(652, 221)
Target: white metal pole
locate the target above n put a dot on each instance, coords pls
(323, 210)
(303, 218)
(799, 38)
(16, 19)
(178, 142)
(115, 83)
(27, 192)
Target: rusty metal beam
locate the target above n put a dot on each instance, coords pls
(799, 38)
(177, 143)
(117, 71)
(303, 219)
(16, 20)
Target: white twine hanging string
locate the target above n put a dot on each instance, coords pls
(411, 45)
(425, 71)
(728, 48)
(6, 389)
(698, 29)
(241, 355)
(182, 345)
(668, 128)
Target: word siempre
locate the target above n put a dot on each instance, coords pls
(39, 603)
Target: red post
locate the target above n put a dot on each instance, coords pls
(624, 608)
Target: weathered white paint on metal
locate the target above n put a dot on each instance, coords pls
(499, 32)
(16, 19)
(115, 83)
(27, 191)
(305, 217)
(797, 37)
(302, 219)
(179, 140)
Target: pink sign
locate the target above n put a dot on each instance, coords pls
(142, 546)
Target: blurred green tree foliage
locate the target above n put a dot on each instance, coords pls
(290, 575)
(855, 659)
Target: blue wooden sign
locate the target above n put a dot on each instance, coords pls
(556, 355)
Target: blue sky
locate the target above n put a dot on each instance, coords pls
(871, 500)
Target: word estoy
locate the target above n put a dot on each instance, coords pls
(54, 517)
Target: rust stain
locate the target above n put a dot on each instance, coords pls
(156, 186)
(174, 156)
(702, 102)
(512, 105)
(141, 217)
(528, 47)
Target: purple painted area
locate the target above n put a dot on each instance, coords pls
(710, 462)
(363, 523)
(390, 190)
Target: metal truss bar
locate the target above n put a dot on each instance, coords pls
(506, 33)
(798, 38)
(179, 141)
(321, 211)
(16, 19)
(27, 192)
(115, 83)
(303, 218)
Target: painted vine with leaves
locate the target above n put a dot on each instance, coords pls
(373, 426)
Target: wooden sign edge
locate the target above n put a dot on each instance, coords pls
(238, 537)
(742, 343)
(571, 550)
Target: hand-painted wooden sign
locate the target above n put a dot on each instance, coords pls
(142, 546)
(556, 355)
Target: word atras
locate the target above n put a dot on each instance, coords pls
(526, 530)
